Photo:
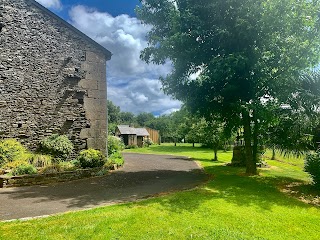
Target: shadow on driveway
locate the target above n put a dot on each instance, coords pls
(142, 176)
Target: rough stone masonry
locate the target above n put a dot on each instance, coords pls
(52, 78)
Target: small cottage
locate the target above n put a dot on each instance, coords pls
(132, 136)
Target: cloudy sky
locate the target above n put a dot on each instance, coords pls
(132, 84)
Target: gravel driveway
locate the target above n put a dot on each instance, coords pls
(142, 176)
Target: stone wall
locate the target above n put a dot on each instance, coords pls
(52, 79)
(38, 179)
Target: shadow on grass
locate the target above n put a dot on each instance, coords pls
(230, 185)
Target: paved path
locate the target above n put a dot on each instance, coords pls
(142, 176)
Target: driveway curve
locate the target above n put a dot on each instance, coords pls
(142, 176)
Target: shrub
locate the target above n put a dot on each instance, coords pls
(75, 163)
(131, 146)
(148, 142)
(56, 145)
(91, 158)
(67, 166)
(14, 164)
(12, 150)
(40, 160)
(115, 158)
(312, 166)
(54, 168)
(115, 144)
(23, 169)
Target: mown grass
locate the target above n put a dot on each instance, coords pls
(230, 206)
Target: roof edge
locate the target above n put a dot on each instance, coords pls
(106, 52)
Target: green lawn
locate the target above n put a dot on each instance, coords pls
(230, 206)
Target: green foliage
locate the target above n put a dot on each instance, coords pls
(148, 142)
(14, 164)
(24, 168)
(312, 166)
(56, 145)
(12, 150)
(76, 163)
(40, 160)
(54, 168)
(131, 147)
(115, 158)
(67, 166)
(127, 118)
(113, 112)
(144, 118)
(115, 144)
(91, 158)
(225, 67)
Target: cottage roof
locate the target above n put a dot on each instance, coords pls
(127, 130)
(142, 132)
(105, 51)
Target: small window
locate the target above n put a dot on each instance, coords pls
(1, 26)
(19, 125)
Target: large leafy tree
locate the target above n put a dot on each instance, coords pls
(230, 55)
(127, 118)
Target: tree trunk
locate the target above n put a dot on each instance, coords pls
(193, 144)
(273, 154)
(215, 154)
(255, 138)
(251, 167)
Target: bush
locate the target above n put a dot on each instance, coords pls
(12, 150)
(54, 168)
(59, 146)
(312, 166)
(23, 169)
(91, 158)
(131, 147)
(40, 160)
(67, 166)
(115, 158)
(115, 144)
(14, 164)
(148, 142)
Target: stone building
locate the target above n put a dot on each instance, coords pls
(52, 78)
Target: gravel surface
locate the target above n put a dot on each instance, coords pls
(142, 176)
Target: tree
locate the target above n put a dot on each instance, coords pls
(228, 55)
(214, 136)
(127, 118)
(144, 118)
(113, 112)
(297, 120)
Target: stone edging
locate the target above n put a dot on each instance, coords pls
(38, 179)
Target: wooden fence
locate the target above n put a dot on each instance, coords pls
(154, 135)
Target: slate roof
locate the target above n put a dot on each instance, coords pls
(127, 130)
(142, 132)
(105, 51)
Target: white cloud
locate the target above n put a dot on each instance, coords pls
(132, 84)
(143, 95)
(54, 4)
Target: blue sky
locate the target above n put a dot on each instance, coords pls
(132, 84)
